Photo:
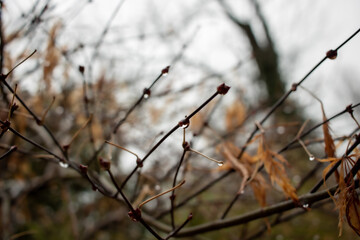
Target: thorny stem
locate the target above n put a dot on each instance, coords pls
(167, 135)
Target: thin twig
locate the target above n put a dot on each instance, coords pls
(173, 233)
(160, 194)
(32, 142)
(3, 80)
(11, 150)
(172, 198)
(256, 214)
(187, 119)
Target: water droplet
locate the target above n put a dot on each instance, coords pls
(184, 123)
(63, 164)
(311, 158)
(305, 205)
(220, 164)
(165, 74)
(280, 130)
(146, 93)
(59, 110)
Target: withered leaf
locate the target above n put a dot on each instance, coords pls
(274, 166)
(353, 211)
(235, 115)
(238, 166)
(328, 140)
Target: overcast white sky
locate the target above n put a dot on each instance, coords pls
(303, 32)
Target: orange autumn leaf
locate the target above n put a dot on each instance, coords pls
(197, 122)
(346, 200)
(328, 140)
(259, 187)
(247, 167)
(238, 166)
(353, 211)
(235, 115)
(52, 56)
(274, 166)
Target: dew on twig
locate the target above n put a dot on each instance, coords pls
(147, 93)
(280, 130)
(63, 164)
(165, 71)
(311, 158)
(184, 123)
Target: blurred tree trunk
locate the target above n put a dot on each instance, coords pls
(267, 61)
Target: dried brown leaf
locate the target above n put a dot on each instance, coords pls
(52, 56)
(328, 140)
(238, 166)
(247, 167)
(274, 166)
(197, 122)
(259, 187)
(353, 211)
(235, 115)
